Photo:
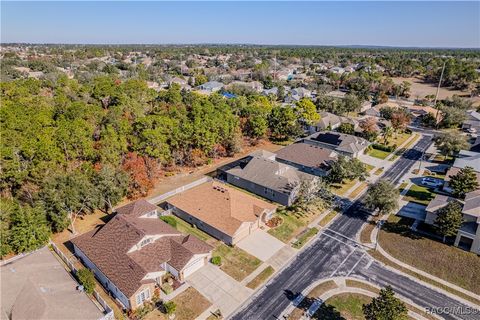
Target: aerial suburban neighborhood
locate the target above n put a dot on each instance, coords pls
(185, 179)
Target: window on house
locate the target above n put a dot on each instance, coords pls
(145, 242)
(143, 296)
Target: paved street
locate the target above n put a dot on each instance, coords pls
(334, 253)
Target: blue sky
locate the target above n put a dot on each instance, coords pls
(425, 24)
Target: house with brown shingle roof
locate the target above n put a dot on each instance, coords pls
(133, 251)
(223, 212)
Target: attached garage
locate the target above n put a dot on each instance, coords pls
(195, 264)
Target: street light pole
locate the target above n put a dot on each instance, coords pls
(436, 95)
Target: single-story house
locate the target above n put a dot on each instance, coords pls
(251, 85)
(268, 178)
(345, 144)
(300, 93)
(472, 122)
(468, 236)
(330, 121)
(37, 286)
(133, 251)
(307, 158)
(421, 111)
(211, 86)
(223, 212)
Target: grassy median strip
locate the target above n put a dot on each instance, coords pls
(310, 298)
(235, 262)
(329, 217)
(343, 306)
(261, 277)
(303, 238)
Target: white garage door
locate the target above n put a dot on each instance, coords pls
(193, 267)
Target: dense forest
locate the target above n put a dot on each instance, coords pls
(69, 148)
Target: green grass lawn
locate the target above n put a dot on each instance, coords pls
(419, 194)
(369, 167)
(378, 153)
(235, 262)
(398, 139)
(293, 222)
(341, 188)
(444, 261)
(303, 238)
(343, 306)
(261, 277)
(187, 228)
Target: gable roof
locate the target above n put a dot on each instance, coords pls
(36, 286)
(438, 202)
(137, 208)
(271, 174)
(307, 155)
(220, 206)
(340, 141)
(468, 161)
(472, 204)
(107, 247)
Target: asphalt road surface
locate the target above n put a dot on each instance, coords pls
(335, 253)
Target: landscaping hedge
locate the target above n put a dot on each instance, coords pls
(383, 147)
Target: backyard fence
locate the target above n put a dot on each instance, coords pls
(160, 198)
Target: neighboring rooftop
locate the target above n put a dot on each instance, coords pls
(38, 287)
(438, 202)
(472, 204)
(307, 155)
(220, 206)
(340, 141)
(271, 174)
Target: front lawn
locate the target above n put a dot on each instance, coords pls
(399, 139)
(294, 221)
(341, 188)
(343, 306)
(380, 154)
(261, 277)
(235, 262)
(446, 262)
(419, 194)
(190, 304)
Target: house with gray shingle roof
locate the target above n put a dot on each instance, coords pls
(345, 144)
(268, 178)
(132, 252)
(468, 236)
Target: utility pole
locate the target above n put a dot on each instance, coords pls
(436, 95)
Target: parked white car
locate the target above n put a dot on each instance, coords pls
(431, 182)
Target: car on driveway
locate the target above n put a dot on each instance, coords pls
(431, 182)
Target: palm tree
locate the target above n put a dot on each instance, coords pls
(387, 133)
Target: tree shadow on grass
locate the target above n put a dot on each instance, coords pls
(327, 312)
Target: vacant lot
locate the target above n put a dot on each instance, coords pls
(420, 89)
(235, 262)
(190, 304)
(419, 194)
(447, 262)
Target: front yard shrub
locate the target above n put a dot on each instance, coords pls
(383, 147)
(87, 279)
(170, 220)
(169, 307)
(216, 260)
(167, 288)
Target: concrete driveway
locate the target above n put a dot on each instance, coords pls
(224, 292)
(412, 210)
(260, 244)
